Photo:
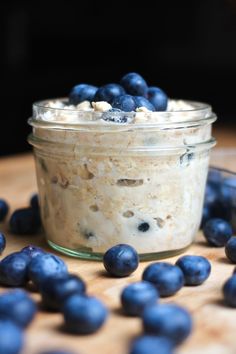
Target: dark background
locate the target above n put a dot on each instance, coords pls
(188, 48)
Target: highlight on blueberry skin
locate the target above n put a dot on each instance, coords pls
(45, 265)
(17, 306)
(157, 98)
(82, 92)
(4, 208)
(196, 269)
(33, 251)
(2, 243)
(229, 291)
(136, 296)
(55, 290)
(11, 337)
(168, 320)
(134, 84)
(217, 232)
(167, 278)
(230, 249)
(14, 269)
(151, 344)
(121, 260)
(109, 92)
(83, 314)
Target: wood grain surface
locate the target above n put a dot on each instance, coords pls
(214, 323)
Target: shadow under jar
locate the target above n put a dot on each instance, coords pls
(140, 183)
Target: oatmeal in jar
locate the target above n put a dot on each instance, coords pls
(121, 164)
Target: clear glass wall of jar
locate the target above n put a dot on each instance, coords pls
(102, 184)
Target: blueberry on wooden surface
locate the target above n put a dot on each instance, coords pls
(46, 265)
(136, 296)
(55, 291)
(25, 221)
(196, 269)
(230, 249)
(167, 278)
(14, 269)
(11, 338)
(151, 344)
(83, 314)
(18, 307)
(167, 320)
(121, 260)
(217, 232)
(4, 207)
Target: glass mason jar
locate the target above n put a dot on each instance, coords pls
(102, 183)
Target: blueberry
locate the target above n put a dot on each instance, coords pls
(168, 320)
(121, 260)
(211, 196)
(2, 243)
(227, 196)
(143, 102)
(115, 115)
(82, 92)
(17, 307)
(46, 265)
(158, 98)
(14, 269)
(134, 84)
(212, 200)
(229, 291)
(83, 314)
(206, 215)
(214, 177)
(109, 92)
(55, 291)
(196, 269)
(144, 226)
(125, 103)
(230, 249)
(34, 201)
(4, 207)
(33, 251)
(167, 278)
(135, 297)
(149, 344)
(217, 232)
(11, 338)
(25, 221)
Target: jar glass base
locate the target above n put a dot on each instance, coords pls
(99, 256)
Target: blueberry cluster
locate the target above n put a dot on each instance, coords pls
(132, 93)
(141, 298)
(219, 203)
(60, 291)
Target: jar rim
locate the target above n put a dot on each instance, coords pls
(200, 114)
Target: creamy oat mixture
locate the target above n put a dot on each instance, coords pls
(112, 183)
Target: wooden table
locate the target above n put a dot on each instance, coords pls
(214, 323)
